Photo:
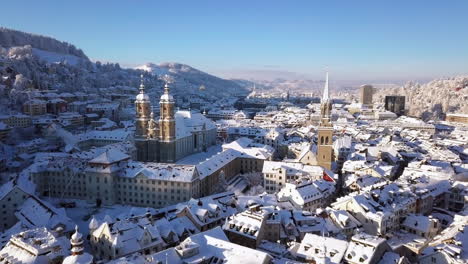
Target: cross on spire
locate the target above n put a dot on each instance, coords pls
(142, 86)
(166, 88)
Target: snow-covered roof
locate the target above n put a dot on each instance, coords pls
(109, 157)
(291, 168)
(247, 223)
(315, 247)
(211, 244)
(117, 135)
(35, 246)
(188, 122)
(128, 235)
(362, 248)
(306, 191)
(419, 222)
(37, 213)
(160, 171)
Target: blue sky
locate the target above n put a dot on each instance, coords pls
(357, 40)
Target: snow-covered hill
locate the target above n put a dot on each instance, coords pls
(14, 38)
(29, 61)
(189, 80)
(432, 99)
(54, 57)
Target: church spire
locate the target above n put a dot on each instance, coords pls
(78, 256)
(326, 93)
(166, 88)
(76, 242)
(142, 86)
(167, 97)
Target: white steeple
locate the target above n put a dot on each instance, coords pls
(167, 97)
(326, 93)
(142, 96)
(78, 256)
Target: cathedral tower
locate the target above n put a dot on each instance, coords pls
(143, 110)
(325, 131)
(167, 129)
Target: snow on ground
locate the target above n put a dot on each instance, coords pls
(195, 159)
(53, 57)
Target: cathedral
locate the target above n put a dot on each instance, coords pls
(175, 135)
(325, 131)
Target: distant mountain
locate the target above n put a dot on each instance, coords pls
(187, 79)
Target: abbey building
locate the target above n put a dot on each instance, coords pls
(175, 135)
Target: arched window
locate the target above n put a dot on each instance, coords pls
(326, 140)
(321, 140)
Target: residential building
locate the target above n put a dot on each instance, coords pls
(277, 173)
(308, 195)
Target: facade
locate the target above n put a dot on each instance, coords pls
(115, 179)
(319, 249)
(325, 132)
(395, 104)
(308, 195)
(37, 245)
(124, 237)
(175, 135)
(109, 176)
(4, 131)
(11, 198)
(367, 249)
(211, 246)
(277, 174)
(458, 118)
(365, 95)
(423, 226)
(18, 120)
(35, 107)
(246, 228)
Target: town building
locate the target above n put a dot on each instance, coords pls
(4, 131)
(318, 249)
(365, 95)
(211, 246)
(16, 120)
(247, 228)
(308, 195)
(395, 104)
(366, 249)
(277, 173)
(457, 118)
(120, 238)
(37, 245)
(35, 107)
(12, 196)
